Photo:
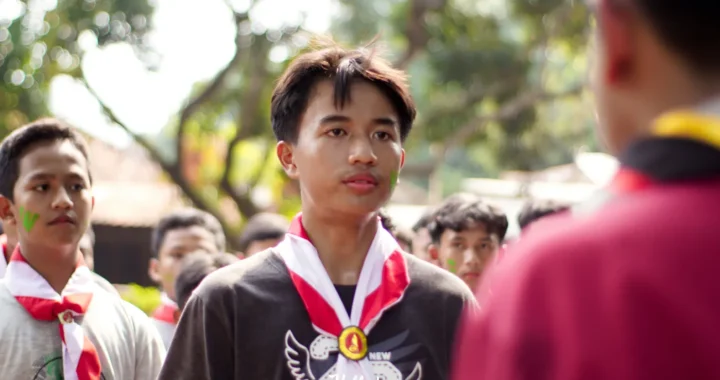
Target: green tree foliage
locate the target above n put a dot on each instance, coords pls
(496, 83)
(42, 42)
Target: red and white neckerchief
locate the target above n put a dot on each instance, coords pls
(381, 285)
(166, 311)
(32, 291)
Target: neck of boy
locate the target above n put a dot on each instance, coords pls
(55, 265)
(341, 242)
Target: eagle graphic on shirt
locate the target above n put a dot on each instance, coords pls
(318, 361)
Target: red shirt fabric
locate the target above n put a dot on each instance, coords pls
(626, 290)
(630, 292)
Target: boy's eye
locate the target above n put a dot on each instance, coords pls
(78, 187)
(42, 187)
(383, 135)
(336, 132)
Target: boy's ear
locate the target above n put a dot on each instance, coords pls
(433, 251)
(154, 271)
(6, 211)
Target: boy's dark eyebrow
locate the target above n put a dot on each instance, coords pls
(334, 119)
(386, 121)
(47, 176)
(76, 176)
(41, 176)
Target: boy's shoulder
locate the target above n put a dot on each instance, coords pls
(431, 280)
(263, 270)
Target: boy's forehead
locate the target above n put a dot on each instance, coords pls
(194, 235)
(52, 157)
(469, 228)
(323, 95)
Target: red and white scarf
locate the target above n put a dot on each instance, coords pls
(381, 285)
(166, 311)
(32, 291)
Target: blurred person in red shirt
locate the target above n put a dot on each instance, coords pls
(625, 286)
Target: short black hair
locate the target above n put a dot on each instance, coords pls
(294, 89)
(461, 210)
(16, 144)
(689, 28)
(424, 220)
(263, 226)
(533, 210)
(185, 218)
(195, 267)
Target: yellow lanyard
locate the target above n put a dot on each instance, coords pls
(691, 125)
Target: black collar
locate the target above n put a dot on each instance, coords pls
(673, 159)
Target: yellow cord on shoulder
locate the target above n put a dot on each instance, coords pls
(691, 125)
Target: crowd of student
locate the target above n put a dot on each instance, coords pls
(620, 287)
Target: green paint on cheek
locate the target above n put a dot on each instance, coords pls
(393, 180)
(28, 218)
(452, 266)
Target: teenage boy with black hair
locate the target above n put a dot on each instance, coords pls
(194, 269)
(337, 298)
(625, 287)
(56, 322)
(262, 231)
(421, 237)
(534, 210)
(466, 234)
(176, 235)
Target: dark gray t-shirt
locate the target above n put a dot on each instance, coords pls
(247, 321)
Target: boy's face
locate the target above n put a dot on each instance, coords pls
(421, 245)
(52, 197)
(345, 160)
(177, 244)
(260, 245)
(466, 253)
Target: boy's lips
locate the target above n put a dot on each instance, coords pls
(62, 219)
(361, 182)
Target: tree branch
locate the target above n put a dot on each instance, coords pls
(509, 110)
(258, 76)
(209, 91)
(415, 31)
(172, 170)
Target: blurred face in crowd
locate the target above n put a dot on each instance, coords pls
(421, 244)
(260, 245)
(177, 244)
(466, 253)
(345, 159)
